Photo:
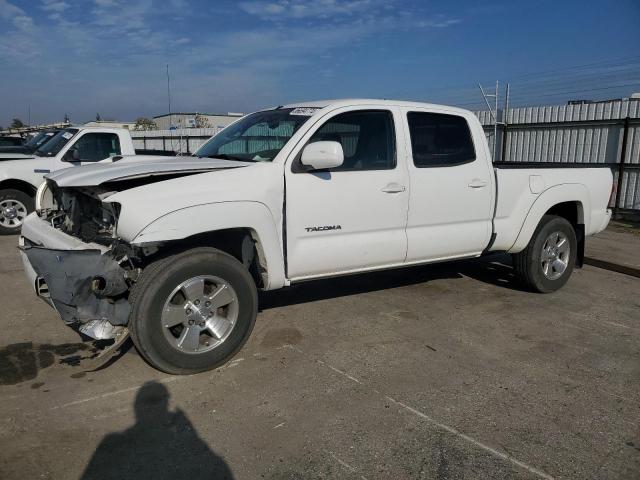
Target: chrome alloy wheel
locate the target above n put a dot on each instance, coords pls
(555, 255)
(200, 314)
(12, 213)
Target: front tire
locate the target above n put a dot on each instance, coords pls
(14, 207)
(546, 263)
(192, 311)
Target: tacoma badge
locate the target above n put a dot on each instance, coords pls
(323, 228)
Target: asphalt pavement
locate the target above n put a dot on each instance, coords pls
(446, 372)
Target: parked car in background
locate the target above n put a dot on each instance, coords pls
(27, 148)
(70, 147)
(174, 251)
(7, 141)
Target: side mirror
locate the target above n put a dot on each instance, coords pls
(322, 155)
(72, 155)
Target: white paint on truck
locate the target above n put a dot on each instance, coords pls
(392, 184)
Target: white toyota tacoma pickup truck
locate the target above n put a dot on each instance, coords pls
(173, 252)
(22, 173)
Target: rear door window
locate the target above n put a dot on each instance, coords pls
(440, 140)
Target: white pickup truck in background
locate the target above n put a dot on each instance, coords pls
(26, 150)
(22, 173)
(174, 251)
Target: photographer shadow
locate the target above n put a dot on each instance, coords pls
(162, 444)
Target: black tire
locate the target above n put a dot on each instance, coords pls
(17, 196)
(528, 262)
(155, 285)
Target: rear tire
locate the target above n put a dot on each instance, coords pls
(546, 263)
(14, 207)
(192, 311)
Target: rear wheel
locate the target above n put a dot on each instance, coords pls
(192, 311)
(546, 263)
(14, 207)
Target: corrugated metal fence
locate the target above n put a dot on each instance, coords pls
(183, 140)
(597, 133)
(600, 133)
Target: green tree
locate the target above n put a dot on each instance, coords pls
(202, 121)
(17, 123)
(144, 123)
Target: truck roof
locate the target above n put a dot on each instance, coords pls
(94, 127)
(343, 102)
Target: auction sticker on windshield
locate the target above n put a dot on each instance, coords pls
(67, 135)
(307, 111)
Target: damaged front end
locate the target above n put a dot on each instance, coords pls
(75, 261)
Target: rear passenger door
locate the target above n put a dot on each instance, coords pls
(451, 186)
(352, 217)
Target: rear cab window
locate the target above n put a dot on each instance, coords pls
(440, 140)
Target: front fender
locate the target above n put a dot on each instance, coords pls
(211, 217)
(572, 192)
(27, 173)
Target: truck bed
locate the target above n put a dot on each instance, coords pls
(526, 190)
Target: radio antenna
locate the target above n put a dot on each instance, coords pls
(169, 96)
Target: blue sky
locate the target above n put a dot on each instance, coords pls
(86, 56)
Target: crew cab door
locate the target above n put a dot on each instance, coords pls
(451, 185)
(352, 217)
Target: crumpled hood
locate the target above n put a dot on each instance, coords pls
(138, 166)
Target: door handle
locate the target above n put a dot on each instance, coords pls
(394, 188)
(477, 183)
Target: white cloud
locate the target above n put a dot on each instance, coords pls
(385, 14)
(306, 8)
(17, 16)
(112, 53)
(437, 23)
(105, 3)
(54, 6)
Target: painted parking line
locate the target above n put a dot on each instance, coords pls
(447, 428)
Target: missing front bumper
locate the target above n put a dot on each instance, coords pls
(69, 276)
(66, 273)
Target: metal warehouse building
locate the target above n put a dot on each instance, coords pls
(188, 120)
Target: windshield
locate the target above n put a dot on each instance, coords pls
(39, 138)
(33, 141)
(59, 140)
(257, 137)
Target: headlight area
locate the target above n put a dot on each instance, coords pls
(82, 212)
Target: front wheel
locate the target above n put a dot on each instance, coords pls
(14, 207)
(546, 263)
(192, 311)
